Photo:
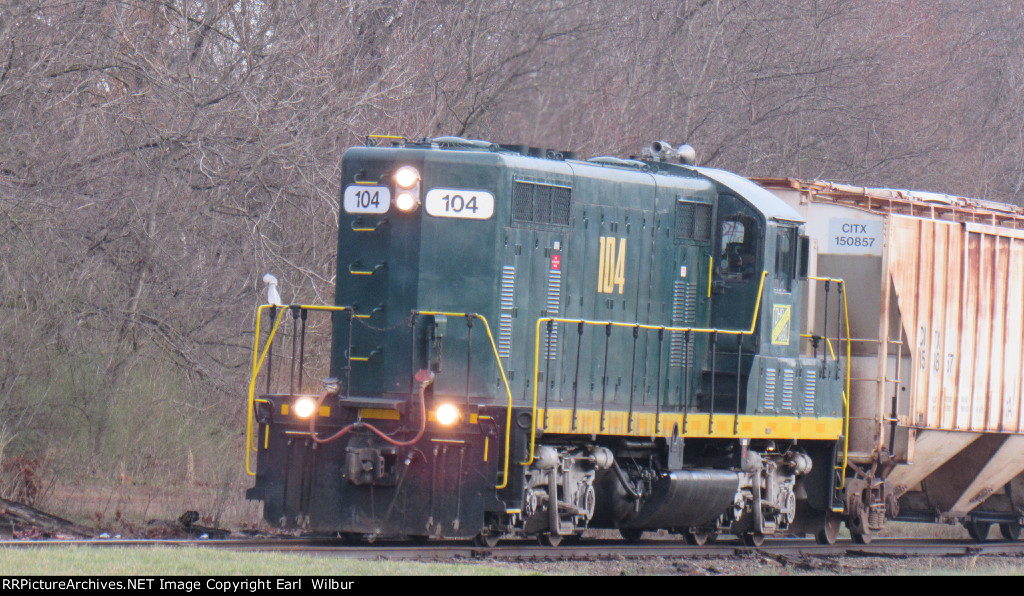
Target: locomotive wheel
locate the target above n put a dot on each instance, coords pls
(548, 539)
(829, 533)
(978, 530)
(700, 537)
(486, 540)
(631, 535)
(752, 538)
(859, 532)
(1010, 531)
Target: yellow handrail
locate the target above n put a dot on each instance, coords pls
(504, 380)
(536, 348)
(257, 364)
(711, 268)
(846, 391)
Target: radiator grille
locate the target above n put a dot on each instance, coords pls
(693, 221)
(541, 203)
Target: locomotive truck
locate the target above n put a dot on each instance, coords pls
(526, 343)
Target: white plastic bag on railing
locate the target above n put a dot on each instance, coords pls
(273, 297)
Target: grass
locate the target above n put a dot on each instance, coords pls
(126, 508)
(198, 561)
(203, 562)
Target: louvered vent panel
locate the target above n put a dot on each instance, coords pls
(553, 303)
(684, 314)
(508, 287)
(770, 375)
(810, 381)
(508, 291)
(788, 384)
(505, 335)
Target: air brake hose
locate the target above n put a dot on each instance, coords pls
(624, 481)
(423, 377)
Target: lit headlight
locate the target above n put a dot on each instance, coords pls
(407, 177)
(304, 407)
(406, 201)
(447, 414)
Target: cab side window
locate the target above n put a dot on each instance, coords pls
(785, 259)
(737, 250)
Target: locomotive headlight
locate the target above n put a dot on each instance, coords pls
(406, 201)
(407, 177)
(304, 407)
(407, 181)
(447, 414)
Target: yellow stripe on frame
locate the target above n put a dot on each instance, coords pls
(325, 411)
(384, 414)
(471, 419)
(697, 425)
(379, 414)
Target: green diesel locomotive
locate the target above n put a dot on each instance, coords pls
(525, 343)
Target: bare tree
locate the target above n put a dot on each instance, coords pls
(159, 156)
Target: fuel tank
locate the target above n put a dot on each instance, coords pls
(684, 499)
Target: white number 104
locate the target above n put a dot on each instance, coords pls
(466, 204)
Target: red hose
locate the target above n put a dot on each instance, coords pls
(423, 377)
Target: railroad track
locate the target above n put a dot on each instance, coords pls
(524, 550)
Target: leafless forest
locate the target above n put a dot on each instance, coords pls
(157, 157)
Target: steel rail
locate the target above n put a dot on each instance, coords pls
(593, 549)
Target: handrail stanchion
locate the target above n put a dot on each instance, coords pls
(604, 370)
(302, 346)
(632, 375)
(270, 354)
(576, 378)
(547, 371)
(657, 406)
(469, 352)
(711, 410)
(295, 347)
(687, 370)
(739, 370)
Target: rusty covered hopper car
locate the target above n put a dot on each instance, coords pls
(934, 330)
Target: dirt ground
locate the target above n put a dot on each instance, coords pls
(150, 511)
(760, 564)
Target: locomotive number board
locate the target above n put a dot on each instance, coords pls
(465, 204)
